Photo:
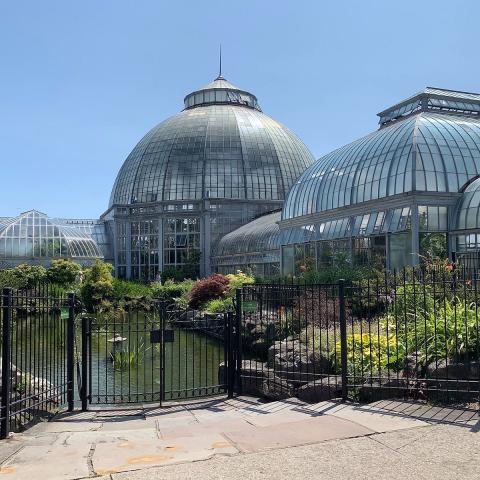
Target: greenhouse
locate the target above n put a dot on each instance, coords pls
(33, 236)
(197, 176)
(253, 248)
(394, 197)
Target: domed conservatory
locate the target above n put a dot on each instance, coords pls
(197, 176)
(406, 192)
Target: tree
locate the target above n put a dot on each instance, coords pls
(26, 276)
(64, 272)
(97, 284)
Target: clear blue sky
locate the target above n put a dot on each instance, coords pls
(82, 81)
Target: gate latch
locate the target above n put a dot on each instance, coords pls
(156, 336)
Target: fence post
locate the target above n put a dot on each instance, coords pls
(6, 363)
(230, 356)
(343, 338)
(85, 340)
(163, 314)
(70, 351)
(238, 340)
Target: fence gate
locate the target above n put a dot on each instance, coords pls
(163, 354)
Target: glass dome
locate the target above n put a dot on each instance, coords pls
(429, 152)
(33, 235)
(469, 207)
(258, 236)
(220, 146)
(254, 247)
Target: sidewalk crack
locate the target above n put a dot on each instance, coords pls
(91, 470)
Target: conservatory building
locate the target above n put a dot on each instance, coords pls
(253, 248)
(197, 176)
(35, 238)
(406, 192)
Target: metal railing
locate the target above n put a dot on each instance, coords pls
(413, 333)
(37, 360)
(155, 355)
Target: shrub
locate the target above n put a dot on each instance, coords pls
(449, 331)
(126, 289)
(238, 280)
(321, 310)
(413, 301)
(64, 272)
(23, 276)
(172, 273)
(369, 353)
(219, 305)
(214, 286)
(97, 284)
(171, 291)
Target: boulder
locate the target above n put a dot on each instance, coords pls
(393, 388)
(295, 362)
(453, 370)
(275, 388)
(259, 348)
(450, 378)
(325, 388)
(252, 375)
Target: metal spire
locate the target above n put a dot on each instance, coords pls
(220, 64)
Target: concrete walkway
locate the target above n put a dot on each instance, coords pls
(246, 439)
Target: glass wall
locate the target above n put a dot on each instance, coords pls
(35, 236)
(181, 240)
(144, 249)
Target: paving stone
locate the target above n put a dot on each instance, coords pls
(48, 462)
(291, 434)
(125, 424)
(374, 418)
(126, 456)
(102, 436)
(58, 427)
(224, 426)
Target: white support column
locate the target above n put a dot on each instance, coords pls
(415, 232)
(128, 248)
(205, 239)
(160, 244)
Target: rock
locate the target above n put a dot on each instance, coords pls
(293, 361)
(259, 348)
(252, 375)
(453, 370)
(393, 388)
(264, 330)
(324, 388)
(412, 366)
(275, 388)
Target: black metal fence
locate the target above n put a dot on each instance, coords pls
(155, 355)
(37, 352)
(412, 334)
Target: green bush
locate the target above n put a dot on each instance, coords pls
(369, 353)
(238, 280)
(219, 305)
(412, 301)
(23, 276)
(97, 284)
(126, 289)
(172, 291)
(64, 272)
(448, 331)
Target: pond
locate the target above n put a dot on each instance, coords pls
(124, 366)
